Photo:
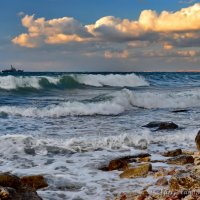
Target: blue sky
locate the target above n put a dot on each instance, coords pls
(109, 44)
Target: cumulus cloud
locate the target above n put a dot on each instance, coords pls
(55, 31)
(169, 29)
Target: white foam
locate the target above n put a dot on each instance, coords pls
(115, 80)
(13, 82)
(165, 99)
(121, 101)
(130, 80)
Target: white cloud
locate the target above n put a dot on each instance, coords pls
(168, 29)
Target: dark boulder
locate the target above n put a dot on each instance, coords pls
(12, 188)
(162, 125)
(172, 153)
(180, 160)
(36, 182)
(197, 141)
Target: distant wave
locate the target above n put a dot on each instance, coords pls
(114, 104)
(71, 81)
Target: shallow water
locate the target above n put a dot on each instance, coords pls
(65, 126)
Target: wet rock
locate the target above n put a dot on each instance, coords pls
(117, 165)
(172, 153)
(162, 125)
(180, 111)
(11, 188)
(4, 193)
(58, 150)
(184, 181)
(180, 160)
(167, 126)
(145, 159)
(30, 151)
(142, 196)
(35, 182)
(9, 180)
(138, 171)
(197, 141)
(134, 158)
(122, 162)
(152, 124)
(162, 181)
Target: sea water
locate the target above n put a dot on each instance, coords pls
(67, 125)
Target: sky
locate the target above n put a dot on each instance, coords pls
(100, 35)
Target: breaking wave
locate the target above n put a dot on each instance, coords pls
(114, 104)
(71, 81)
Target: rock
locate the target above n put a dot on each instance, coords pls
(180, 111)
(11, 188)
(138, 171)
(180, 160)
(162, 125)
(122, 162)
(35, 182)
(162, 181)
(197, 141)
(117, 165)
(30, 151)
(185, 181)
(9, 180)
(167, 126)
(134, 158)
(142, 196)
(172, 153)
(152, 124)
(4, 193)
(145, 159)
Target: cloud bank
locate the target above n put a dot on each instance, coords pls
(179, 28)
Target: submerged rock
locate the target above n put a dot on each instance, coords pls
(180, 111)
(30, 151)
(138, 171)
(180, 160)
(35, 182)
(172, 153)
(162, 125)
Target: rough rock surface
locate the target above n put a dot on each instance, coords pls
(180, 160)
(138, 171)
(185, 181)
(12, 188)
(162, 125)
(35, 182)
(172, 153)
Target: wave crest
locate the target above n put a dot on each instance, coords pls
(71, 81)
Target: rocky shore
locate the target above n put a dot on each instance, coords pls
(178, 179)
(24, 188)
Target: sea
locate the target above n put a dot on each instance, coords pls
(65, 126)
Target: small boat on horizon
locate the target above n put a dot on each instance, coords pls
(12, 70)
